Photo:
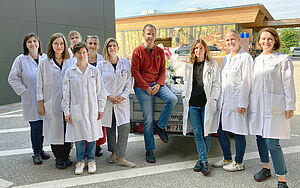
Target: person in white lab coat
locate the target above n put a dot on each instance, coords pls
(74, 37)
(116, 73)
(93, 45)
(49, 96)
(272, 104)
(23, 79)
(83, 104)
(234, 101)
(200, 95)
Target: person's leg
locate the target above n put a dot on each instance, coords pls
(91, 148)
(170, 100)
(240, 147)
(111, 140)
(225, 143)
(80, 151)
(123, 132)
(206, 138)
(277, 158)
(147, 104)
(263, 151)
(36, 136)
(195, 118)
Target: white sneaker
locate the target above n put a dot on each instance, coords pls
(79, 168)
(232, 167)
(221, 163)
(92, 167)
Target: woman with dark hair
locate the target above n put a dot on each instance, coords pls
(49, 94)
(116, 74)
(272, 104)
(23, 79)
(83, 104)
(200, 95)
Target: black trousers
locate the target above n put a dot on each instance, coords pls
(61, 151)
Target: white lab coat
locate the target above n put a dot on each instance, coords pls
(117, 83)
(23, 79)
(211, 81)
(83, 97)
(49, 89)
(273, 92)
(235, 91)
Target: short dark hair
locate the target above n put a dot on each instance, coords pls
(78, 46)
(25, 49)
(149, 25)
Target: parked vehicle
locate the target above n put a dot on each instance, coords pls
(296, 51)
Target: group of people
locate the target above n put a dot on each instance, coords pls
(246, 97)
(71, 94)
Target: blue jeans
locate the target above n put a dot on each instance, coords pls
(36, 134)
(147, 106)
(90, 151)
(196, 115)
(265, 145)
(240, 145)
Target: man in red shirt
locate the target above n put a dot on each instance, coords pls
(148, 70)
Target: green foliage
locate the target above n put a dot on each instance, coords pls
(289, 37)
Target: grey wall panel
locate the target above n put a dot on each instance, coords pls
(17, 18)
(22, 10)
(87, 13)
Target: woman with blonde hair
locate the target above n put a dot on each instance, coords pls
(116, 74)
(200, 95)
(272, 104)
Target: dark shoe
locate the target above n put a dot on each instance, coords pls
(99, 151)
(37, 159)
(262, 175)
(282, 184)
(162, 134)
(60, 164)
(45, 155)
(150, 158)
(197, 167)
(68, 162)
(205, 168)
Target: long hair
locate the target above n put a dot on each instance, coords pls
(25, 49)
(50, 50)
(192, 51)
(105, 48)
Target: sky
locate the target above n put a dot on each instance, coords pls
(279, 9)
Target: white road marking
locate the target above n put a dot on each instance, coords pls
(48, 148)
(10, 116)
(15, 130)
(4, 183)
(125, 174)
(11, 112)
(295, 135)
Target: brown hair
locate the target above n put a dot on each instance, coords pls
(192, 51)
(25, 49)
(105, 47)
(274, 33)
(149, 25)
(78, 46)
(50, 51)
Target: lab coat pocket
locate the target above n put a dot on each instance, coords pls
(25, 97)
(48, 109)
(76, 112)
(213, 106)
(278, 103)
(233, 101)
(253, 103)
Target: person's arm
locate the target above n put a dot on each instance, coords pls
(15, 77)
(101, 94)
(66, 100)
(216, 88)
(129, 81)
(135, 70)
(287, 72)
(162, 70)
(40, 91)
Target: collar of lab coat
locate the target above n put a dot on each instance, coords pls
(74, 67)
(274, 54)
(28, 56)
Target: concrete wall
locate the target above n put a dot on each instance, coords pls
(45, 17)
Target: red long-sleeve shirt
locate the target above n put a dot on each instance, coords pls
(147, 67)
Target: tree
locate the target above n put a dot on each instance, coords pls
(289, 37)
